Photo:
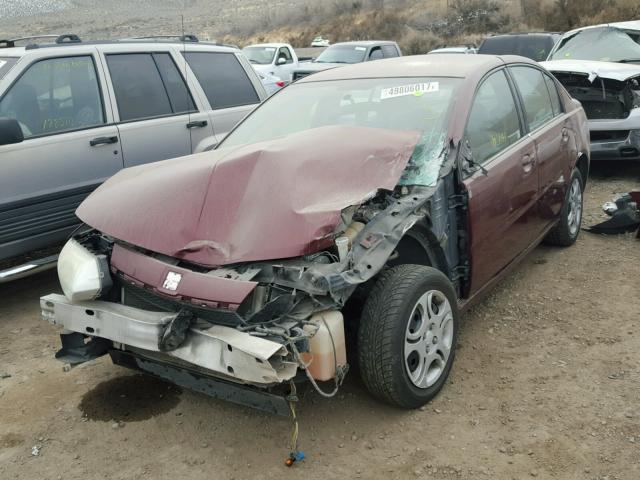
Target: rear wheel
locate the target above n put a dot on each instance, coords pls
(407, 335)
(566, 232)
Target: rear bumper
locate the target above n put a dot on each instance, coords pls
(214, 350)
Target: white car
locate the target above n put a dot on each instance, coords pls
(320, 42)
(273, 59)
(600, 67)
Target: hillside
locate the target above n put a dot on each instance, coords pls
(418, 25)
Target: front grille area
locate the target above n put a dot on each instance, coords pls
(609, 135)
(144, 299)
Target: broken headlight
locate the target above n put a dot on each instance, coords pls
(83, 275)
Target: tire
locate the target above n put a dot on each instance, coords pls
(391, 315)
(566, 231)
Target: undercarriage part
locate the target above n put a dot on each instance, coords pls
(214, 387)
(76, 349)
(624, 213)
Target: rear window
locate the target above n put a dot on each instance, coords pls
(224, 81)
(535, 47)
(5, 65)
(148, 85)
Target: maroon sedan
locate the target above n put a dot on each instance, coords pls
(351, 217)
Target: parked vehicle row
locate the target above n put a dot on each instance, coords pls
(386, 199)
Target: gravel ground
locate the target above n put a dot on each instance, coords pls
(546, 384)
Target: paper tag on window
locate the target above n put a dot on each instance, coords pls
(416, 89)
(270, 49)
(361, 49)
(2, 63)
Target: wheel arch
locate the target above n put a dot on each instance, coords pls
(419, 246)
(582, 164)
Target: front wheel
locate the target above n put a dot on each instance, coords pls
(566, 232)
(407, 335)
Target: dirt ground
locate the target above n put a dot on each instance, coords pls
(546, 384)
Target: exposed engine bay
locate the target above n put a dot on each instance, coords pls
(602, 98)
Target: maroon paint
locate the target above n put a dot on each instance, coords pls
(197, 287)
(276, 199)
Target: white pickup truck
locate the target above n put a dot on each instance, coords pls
(277, 59)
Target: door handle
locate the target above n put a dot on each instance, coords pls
(103, 141)
(527, 162)
(197, 124)
(565, 135)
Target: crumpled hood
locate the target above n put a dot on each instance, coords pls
(594, 69)
(269, 200)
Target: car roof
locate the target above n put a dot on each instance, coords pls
(273, 44)
(513, 34)
(365, 43)
(124, 43)
(443, 65)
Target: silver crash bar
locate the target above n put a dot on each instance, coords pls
(29, 268)
(224, 351)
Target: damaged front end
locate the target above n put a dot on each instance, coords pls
(220, 330)
(229, 272)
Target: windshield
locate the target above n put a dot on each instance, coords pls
(342, 54)
(260, 55)
(607, 44)
(5, 65)
(407, 104)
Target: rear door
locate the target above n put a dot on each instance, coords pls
(156, 113)
(229, 90)
(549, 129)
(71, 146)
(502, 202)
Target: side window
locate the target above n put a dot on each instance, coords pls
(493, 123)
(55, 95)
(389, 51)
(375, 54)
(179, 95)
(535, 96)
(138, 86)
(553, 93)
(286, 54)
(224, 81)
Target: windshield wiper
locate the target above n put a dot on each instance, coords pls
(629, 60)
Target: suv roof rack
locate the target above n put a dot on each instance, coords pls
(59, 39)
(190, 38)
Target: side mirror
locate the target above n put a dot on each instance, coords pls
(10, 131)
(281, 61)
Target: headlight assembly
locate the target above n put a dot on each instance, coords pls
(83, 275)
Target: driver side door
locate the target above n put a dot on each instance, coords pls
(502, 206)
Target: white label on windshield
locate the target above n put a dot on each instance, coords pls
(361, 49)
(2, 63)
(270, 49)
(416, 89)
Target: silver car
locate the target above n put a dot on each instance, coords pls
(73, 113)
